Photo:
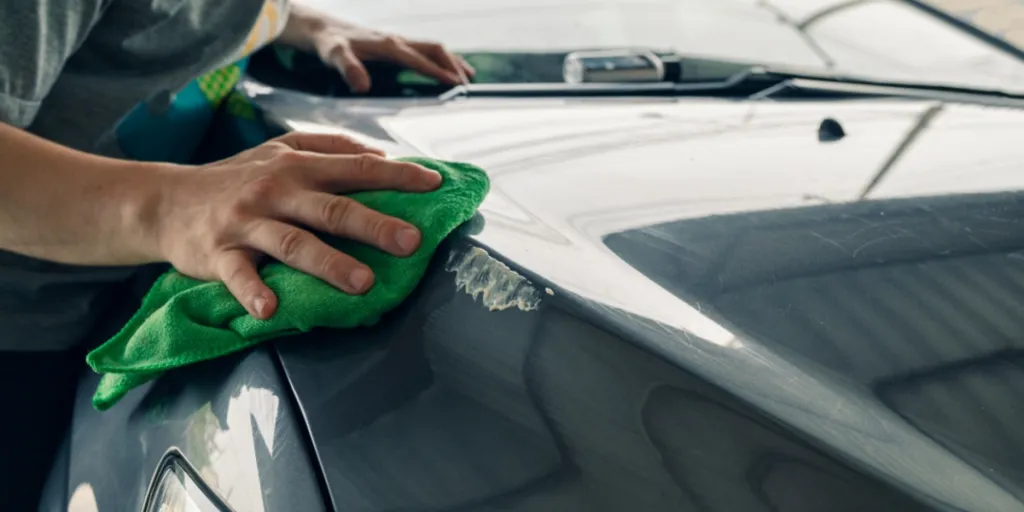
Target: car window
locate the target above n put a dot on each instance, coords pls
(878, 39)
(905, 45)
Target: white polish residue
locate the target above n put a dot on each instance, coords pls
(480, 275)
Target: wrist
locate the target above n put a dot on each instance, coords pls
(144, 196)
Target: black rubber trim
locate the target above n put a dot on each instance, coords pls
(174, 458)
(307, 432)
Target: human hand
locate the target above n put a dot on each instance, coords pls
(346, 46)
(216, 221)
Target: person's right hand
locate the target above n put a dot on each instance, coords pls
(214, 222)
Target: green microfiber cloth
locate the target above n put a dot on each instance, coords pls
(183, 320)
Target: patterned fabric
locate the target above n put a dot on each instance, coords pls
(216, 85)
(238, 105)
(170, 129)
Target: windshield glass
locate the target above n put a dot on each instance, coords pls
(884, 40)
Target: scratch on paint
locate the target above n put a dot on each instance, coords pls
(478, 274)
(831, 242)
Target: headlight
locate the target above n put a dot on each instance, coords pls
(176, 488)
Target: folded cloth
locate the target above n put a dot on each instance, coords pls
(183, 320)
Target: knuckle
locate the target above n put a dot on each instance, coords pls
(335, 53)
(341, 144)
(394, 41)
(292, 159)
(290, 245)
(272, 148)
(260, 190)
(378, 228)
(223, 232)
(367, 163)
(233, 216)
(280, 144)
(250, 289)
(335, 211)
(235, 278)
(404, 174)
(331, 264)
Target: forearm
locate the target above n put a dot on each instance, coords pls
(63, 205)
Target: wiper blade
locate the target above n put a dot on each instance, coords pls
(742, 84)
(797, 86)
(556, 89)
(749, 82)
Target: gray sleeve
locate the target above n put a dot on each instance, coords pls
(36, 39)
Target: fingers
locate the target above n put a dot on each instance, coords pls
(327, 143)
(303, 169)
(442, 57)
(446, 59)
(238, 272)
(344, 217)
(466, 66)
(431, 59)
(363, 172)
(352, 69)
(303, 251)
(406, 54)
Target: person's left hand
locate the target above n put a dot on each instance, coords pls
(346, 46)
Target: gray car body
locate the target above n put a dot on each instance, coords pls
(685, 303)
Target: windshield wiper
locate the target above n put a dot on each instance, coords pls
(742, 84)
(800, 85)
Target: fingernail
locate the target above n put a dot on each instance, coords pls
(408, 239)
(358, 279)
(259, 305)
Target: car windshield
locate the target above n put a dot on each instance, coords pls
(517, 41)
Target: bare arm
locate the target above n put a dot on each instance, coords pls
(63, 205)
(211, 222)
(56, 203)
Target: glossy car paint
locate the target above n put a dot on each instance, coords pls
(681, 304)
(232, 419)
(451, 406)
(736, 314)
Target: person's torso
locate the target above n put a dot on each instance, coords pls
(129, 91)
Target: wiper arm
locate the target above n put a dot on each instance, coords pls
(797, 86)
(708, 77)
(742, 84)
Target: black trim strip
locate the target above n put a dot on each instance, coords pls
(307, 433)
(174, 458)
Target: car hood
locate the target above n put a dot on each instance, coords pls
(866, 290)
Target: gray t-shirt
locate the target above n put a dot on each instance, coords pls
(110, 77)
